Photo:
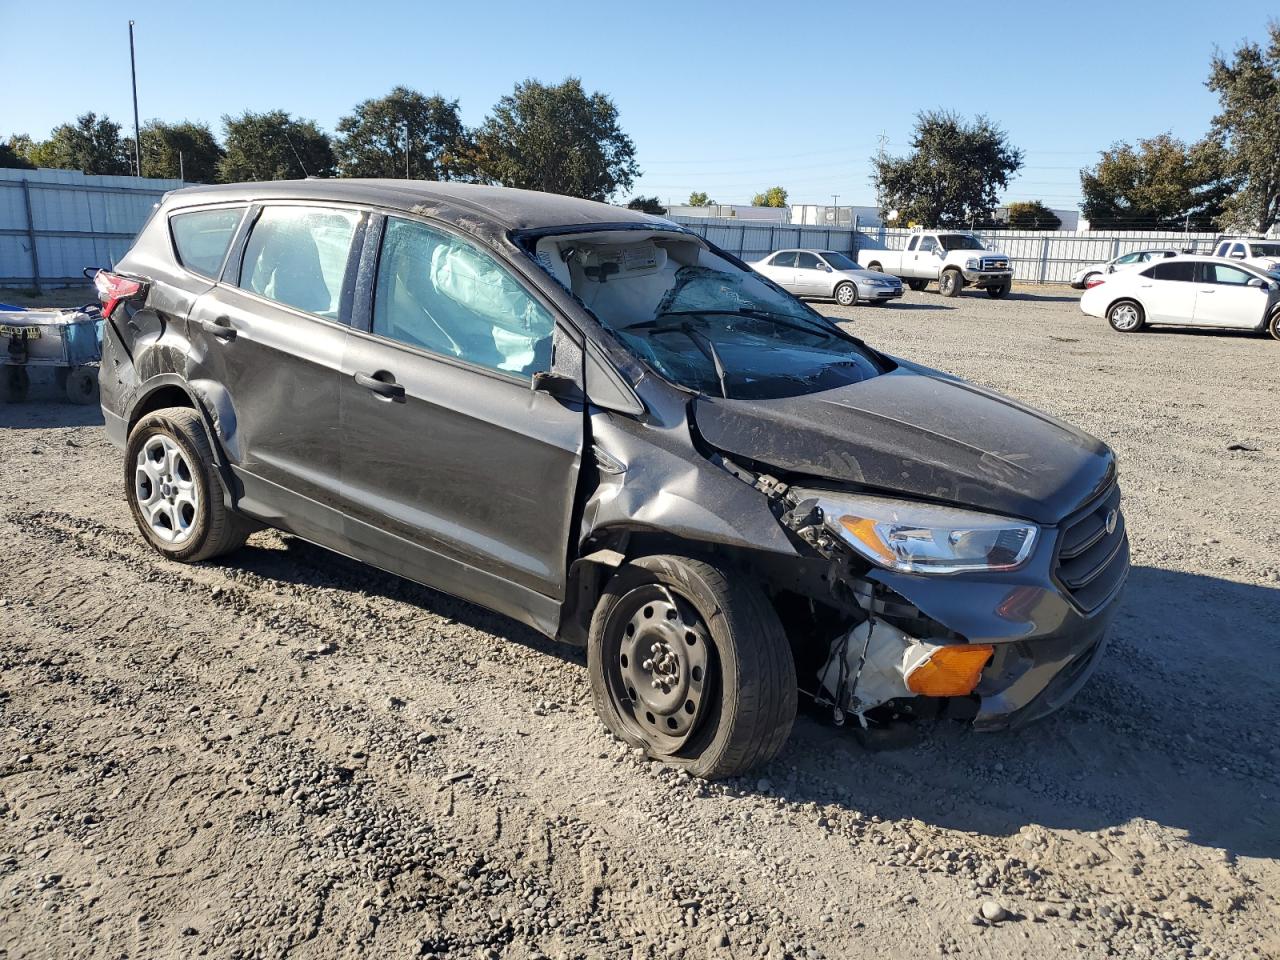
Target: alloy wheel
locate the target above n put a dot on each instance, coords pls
(165, 490)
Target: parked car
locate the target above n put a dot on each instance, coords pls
(1129, 261)
(954, 259)
(602, 426)
(1257, 252)
(827, 274)
(1193, 291)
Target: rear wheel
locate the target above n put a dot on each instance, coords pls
(691, 664)
(1126, 316)
(917, 284)
(1273, 327)
(874, 267)
(950, 283)
(173, 493)
(82, 385)
(15, 383)
(846, 294)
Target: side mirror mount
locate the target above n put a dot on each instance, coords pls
(1259, 283)
(557, 385)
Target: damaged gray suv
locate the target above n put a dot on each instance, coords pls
(600, 425)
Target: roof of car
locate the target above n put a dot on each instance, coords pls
(503, 207)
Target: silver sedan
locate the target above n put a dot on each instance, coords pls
(827, 274)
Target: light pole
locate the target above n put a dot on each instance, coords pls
(133, 73)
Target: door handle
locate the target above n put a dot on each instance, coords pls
(1210, 290)
(382, 384)
(220, 328)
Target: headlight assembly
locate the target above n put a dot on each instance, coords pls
(922, 538)
(971, 264)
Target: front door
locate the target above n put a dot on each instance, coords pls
(1224, 297)
(813, 278)
(269, 341)
(922, 262)
(459, 474)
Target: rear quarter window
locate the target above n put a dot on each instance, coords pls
(201, 238)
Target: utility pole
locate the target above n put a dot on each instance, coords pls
(406, 149)
(182, 168)
(137, 137)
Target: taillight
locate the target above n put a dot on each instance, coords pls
(1095, 282)
(113, 288)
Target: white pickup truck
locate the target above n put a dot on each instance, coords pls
(956, 260)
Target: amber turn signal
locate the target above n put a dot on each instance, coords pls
(950, 671)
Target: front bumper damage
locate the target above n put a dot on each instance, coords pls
(985, 278)
(1044, 645)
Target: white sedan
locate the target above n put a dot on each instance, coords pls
(825, 273)
(1129, 261)
(1189, 291)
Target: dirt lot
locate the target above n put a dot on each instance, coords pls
(287, 753)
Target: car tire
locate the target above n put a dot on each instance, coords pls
(950, 283)
(846, 294)
(917, 285)
(1126, 316)
(1084, 284)
(1273, 326)
(995, 293)
(874, 267)
(81, 385)
(15, 383)
(721, 697)
(173, 490)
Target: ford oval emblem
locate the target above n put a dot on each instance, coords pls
(1113, 518)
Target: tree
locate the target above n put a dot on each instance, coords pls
(953, 175)
(1031, 215)
(188, 150)
(371, 141)
(1248, 127)
(647, 205)
(91, 145)
(14, 153)
(773, 197)
(274, 146)
(557, 139)
(699, 199)
(1162, 184)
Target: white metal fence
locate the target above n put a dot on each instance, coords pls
(1038, 256)
(54, 223)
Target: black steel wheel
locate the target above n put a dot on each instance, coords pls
(81, 385)
(692, 665)
(917, 284)
(995, 293)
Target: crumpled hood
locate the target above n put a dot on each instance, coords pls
(918, 432)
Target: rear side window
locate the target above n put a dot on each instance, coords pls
(201, 238)
(1182, 270)
(298, 256)
(787, 259)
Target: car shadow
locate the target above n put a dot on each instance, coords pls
(43, 409)
(1175, 726)
(907, 305)
(1168, 330)
(1041, 297)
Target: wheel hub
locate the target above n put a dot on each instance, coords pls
(662, 659)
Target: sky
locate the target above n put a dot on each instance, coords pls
(726, 98)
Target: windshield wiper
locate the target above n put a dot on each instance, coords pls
(703, 343)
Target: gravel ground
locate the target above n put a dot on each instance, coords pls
(289, 754)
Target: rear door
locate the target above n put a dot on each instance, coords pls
(1224, 297)
(268, 342)
(459, 474)
(781, 269)
(1167, 291)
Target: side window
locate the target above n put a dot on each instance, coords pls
(928, 244)
(441, 294)
(806, 261)
(787, 259)
(1237, 250)
(1182, 270)
(913, 244)
(298, 256)
(1128, 258)
(201, 238)
(1221, 273)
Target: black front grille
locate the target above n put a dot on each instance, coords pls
(1092, 560)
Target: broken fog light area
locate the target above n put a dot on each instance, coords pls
(875, 663)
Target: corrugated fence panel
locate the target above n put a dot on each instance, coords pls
(1038, 256)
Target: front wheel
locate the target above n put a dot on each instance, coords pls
(950, 283)
(690, 663)
(1126, 316)
(173, 493)
(917, 285)
(995, 293)
(846, 294)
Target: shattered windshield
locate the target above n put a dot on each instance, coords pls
(959, 241)
(701, 321)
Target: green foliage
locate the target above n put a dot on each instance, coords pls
(1162, 184)
(273, 146)
(954, 174)
(1031, 215)
(557, 139)
(176, 150)
(647, 205)
(371, 141)
(773, 197)
(13, 154)
(1248, 128)
(91, 145)
(699, 199)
